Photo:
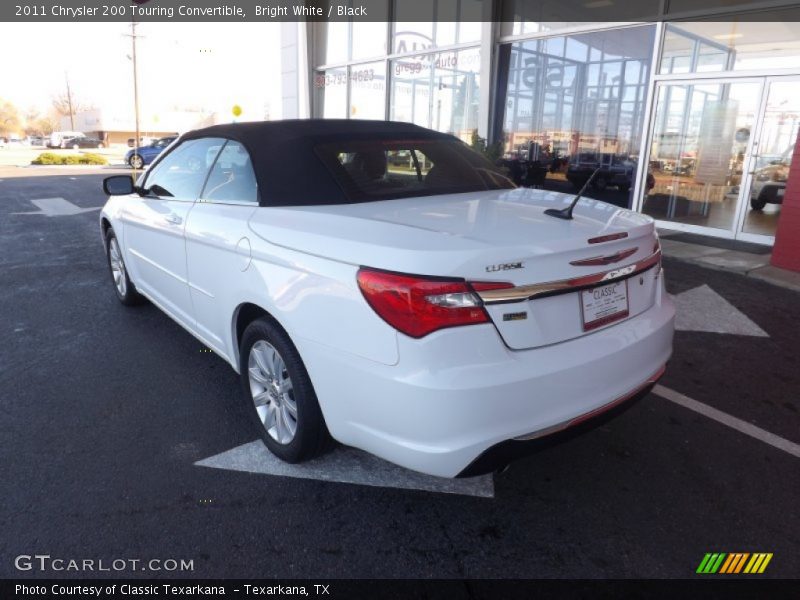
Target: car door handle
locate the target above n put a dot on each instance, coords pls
(174, 219)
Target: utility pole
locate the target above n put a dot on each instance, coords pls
(69, 103)
(135, 80)
(135, 87)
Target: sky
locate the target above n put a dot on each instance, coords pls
(211, 66)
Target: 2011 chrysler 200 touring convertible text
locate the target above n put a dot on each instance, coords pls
(382, 284)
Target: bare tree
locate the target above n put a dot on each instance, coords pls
(10, 121)
(66, 105)
(38, 124)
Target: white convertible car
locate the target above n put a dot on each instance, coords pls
(383, 285)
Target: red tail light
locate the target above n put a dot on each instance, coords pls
(417, 305)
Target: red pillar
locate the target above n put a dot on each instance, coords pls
(786, 252)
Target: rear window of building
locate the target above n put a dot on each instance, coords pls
(386, 169)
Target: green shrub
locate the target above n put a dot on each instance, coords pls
(47, 158)
(93, 159)
(51, 158)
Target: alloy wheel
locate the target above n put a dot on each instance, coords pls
(117, 267)
(272, 392)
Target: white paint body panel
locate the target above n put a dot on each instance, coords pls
(432, 404)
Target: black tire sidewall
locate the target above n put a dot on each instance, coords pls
(310, 423)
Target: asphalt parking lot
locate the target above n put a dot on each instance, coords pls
(105, 411)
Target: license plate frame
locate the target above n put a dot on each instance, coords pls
(608, 308)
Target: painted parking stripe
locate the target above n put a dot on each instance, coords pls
(346, 465)
(703, 309)
(56, 207)
(726, 419)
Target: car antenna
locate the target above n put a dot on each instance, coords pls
(566, 213)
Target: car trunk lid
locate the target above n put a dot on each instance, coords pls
(488, 236)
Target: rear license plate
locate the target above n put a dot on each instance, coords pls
(604, 304)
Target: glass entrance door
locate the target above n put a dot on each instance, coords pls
(768, 168)
(700, 147)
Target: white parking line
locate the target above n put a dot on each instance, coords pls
(56, 207)
(717, 415)
(346, 465)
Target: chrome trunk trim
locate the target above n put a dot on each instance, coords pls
(565, 286)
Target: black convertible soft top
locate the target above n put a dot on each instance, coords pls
(288, 170)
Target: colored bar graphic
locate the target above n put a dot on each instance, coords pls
(717, 563)
(722, 563)
(703, 563)
(711, 563)
(765, 563)
(732, 558)
(741, 562)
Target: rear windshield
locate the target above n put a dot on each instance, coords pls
(388, 169)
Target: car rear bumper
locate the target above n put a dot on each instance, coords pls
(502, 454)
(459, 392)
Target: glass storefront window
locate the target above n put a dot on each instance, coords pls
(698, 151)
(447, 22)
(330, 93)
(731, 46)
(439, 90)
(521, 17)
(574, 103)
(370, 39)
(679, 6)
(332, 42)
(772, 161)
(368, 91)
(341, 41)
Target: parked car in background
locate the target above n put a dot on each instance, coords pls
(36, 140)
(769, 179)
(147, 154)
(769, 185)
(143, 141)
(84, 142)
(434, 316)
(617, 170)
(60, 139)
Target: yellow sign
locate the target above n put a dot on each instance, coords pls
(236, 110)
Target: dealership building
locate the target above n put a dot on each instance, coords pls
(696, 114)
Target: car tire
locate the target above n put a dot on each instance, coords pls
(123, 286)
(758, 203)
(136, 162)
(279, 394)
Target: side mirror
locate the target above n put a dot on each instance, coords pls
(118, 185)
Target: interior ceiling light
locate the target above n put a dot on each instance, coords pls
(728, 36)
(598, 4)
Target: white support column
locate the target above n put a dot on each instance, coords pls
(305, 69)
(295, 71)
(488, 32)
(290, 72)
